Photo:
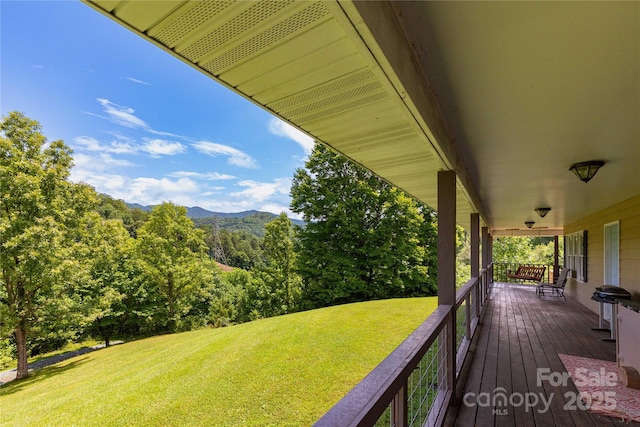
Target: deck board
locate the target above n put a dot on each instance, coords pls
(518, 334)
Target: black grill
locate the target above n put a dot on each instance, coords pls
(611, 294)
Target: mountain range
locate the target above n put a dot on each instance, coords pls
(198, 213)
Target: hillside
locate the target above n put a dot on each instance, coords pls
(286, 370)
(252, 221)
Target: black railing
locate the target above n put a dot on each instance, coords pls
(502, 269)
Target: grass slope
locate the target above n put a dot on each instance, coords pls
(286, 370)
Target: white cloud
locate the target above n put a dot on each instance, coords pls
(152, 190)
(269, 197)
(261, 191)
(122, 116)
(281, 128)
(88, 143)
(278, 209)
(111, 184)
(100, 163)
(142, 82)
(143, 190)
(117, 146)
(125, 145)
(158, 147)
(209, 176)
(236, 157)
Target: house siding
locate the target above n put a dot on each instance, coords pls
(628, 214)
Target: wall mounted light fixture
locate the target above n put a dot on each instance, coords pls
(543, 211)
(529, 224)
(586, 170)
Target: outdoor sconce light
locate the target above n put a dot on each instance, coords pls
(529, 224)
(542, 211)
(586, 170)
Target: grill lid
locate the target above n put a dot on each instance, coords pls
(612, 291)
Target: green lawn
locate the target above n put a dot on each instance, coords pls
(286, 370)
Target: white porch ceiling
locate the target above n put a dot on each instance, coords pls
(506, 94)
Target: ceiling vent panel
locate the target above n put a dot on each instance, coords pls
(192, 17)
(355, 104)
(353, 91)
(323, 59)
(291, 26)
(143, 15)
(244, 23)
(306, 45)
(328, 89)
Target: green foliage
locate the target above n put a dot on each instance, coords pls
(175, 266)
(253, 224)
(106, 251)
(511, 249)
(132, 218)
(363, 236)
(241, 249)
(39, 211)
(8, 353)
(229, 304)
(524, 250)
(74, 263)
(277, 284)
(463, 256)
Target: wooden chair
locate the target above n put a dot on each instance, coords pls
(557, 288)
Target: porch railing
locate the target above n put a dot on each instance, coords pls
(409, 387)
(500, 270)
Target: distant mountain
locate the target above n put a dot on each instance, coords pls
(251, 221)
(198, 212)
(139, 206)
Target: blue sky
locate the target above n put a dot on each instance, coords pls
(144, 126)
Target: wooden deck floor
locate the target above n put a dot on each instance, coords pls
(521, 333)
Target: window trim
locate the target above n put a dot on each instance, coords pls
(575, 258)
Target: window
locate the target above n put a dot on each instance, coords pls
(575, 249)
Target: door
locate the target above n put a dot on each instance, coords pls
(611, 259)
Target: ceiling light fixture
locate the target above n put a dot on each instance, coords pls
(529, 224)
(586, 170)
(543, 211)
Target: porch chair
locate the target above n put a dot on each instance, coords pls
(557, 288)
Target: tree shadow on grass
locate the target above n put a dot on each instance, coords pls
(39, 375)
(44, 361)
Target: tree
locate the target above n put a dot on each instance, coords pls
(132, 218)
(39, 209)
(524, 250)
(275, 288)
(362, 240)
(175, 263)
(512, 249)
(106, 250)
(281, 261)
(463, 256)
(229, 303)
